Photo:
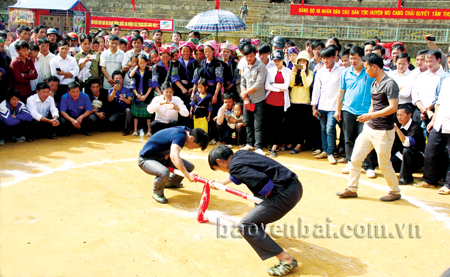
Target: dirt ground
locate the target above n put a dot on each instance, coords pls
(81, 206)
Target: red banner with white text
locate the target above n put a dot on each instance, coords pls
(132, 23)
(433, 14)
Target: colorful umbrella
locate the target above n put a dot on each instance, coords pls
(216, 21)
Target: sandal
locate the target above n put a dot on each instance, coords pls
(294, 151)
(286, 147)
(282, 269)
(444, 190)
(424, 185)
(135, 134)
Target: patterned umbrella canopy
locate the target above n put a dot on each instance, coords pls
(216, 21)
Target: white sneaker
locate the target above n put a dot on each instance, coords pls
(331, 159)
(370, 173)
(346, 169)
(260, 151)
(248, 147)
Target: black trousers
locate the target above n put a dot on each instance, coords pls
(411, 163)
(121, 120)
(352, 129)
(14, 131)
(275, 206)
(156, 126)
(213, 133)
(39, 128)
(434, 151)
(297, 124)
(68, 128)
(274, 116)
(225, 134)
(254, 124)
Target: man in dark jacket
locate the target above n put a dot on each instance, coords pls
(271, 181)
(409, 145)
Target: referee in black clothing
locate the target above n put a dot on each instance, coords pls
(267, 179)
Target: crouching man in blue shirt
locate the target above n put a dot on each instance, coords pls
(162, 150)
(267, 179)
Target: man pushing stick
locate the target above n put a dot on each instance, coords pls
(162, 150)
(268, 179)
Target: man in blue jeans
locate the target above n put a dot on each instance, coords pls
(326, 90)
(354, 99)
(253, 93)
(162, 150)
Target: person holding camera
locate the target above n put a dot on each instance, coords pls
(120, 98)
(64, 67)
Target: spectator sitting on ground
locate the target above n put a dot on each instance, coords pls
(222, 120)
(44, 112)
(14, 117)
(120, 98)
(100, 104)
(75, 110)
(167, 107)
(409, 145)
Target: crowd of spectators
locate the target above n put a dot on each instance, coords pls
(253, 95)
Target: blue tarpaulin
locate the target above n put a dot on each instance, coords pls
(46, 4)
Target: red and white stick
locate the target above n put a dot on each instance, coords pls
(204, 202)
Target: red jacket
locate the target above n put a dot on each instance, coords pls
(22, 83)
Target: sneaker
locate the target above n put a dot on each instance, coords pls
(2, 142)
(390, 197)
(370, 173)
(317, 152)
(406, 181)
(260, 151)
(273, 153)
(213, 142)
(331, 159)
(159, 199)
(342, 161)
(321, 155)
(248, 147)
(282, 268)
(347, 194)
(125, 132)
(21, 139)
(346, 169)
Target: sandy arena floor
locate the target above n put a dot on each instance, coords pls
(80, 206)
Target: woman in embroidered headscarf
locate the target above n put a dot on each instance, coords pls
(230, 71)
(199, 53)
(292, 55)
(185, 67)
(162, 71)
(211, 69)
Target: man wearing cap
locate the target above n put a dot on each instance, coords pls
(52, 36)
(244, 11)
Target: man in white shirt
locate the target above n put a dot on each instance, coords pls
(167, 107)
(439, 139)
(326, 90)
(425, 85)
(402, 77)
(64, 67)
(24, 34)
(111, 60)
(44, 112)
(45, 56)
(33, 55)
(264, 55)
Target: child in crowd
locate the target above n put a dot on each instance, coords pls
(236, 120)
(123, 45)
(292, 55)
(96, 45)
(34, 52)
(201, 106)
(174, 54)
(142, 90)
(128, 80)
(154, 57)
